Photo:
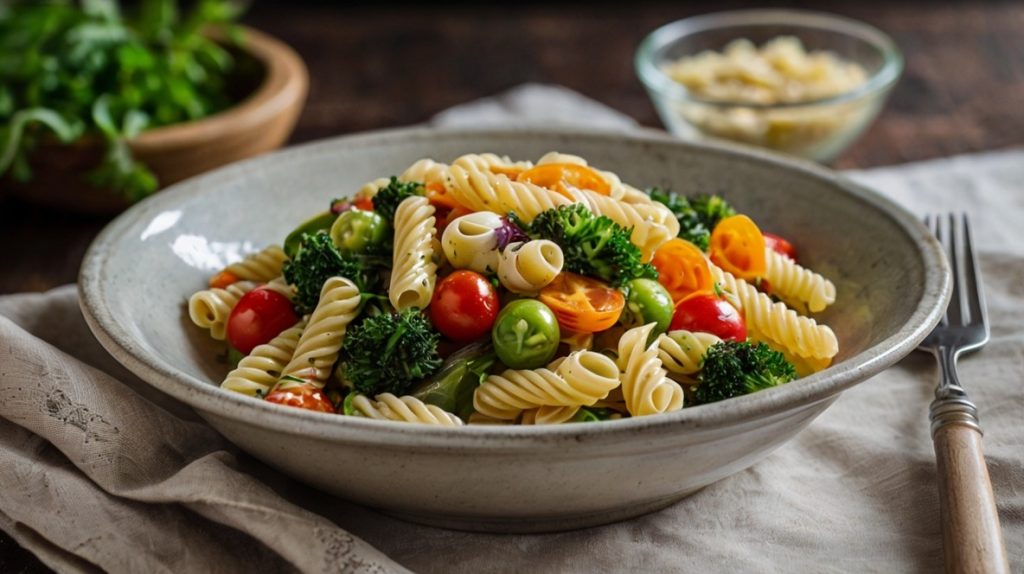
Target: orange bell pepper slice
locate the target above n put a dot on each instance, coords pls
(560, 177)
(222, 280)
(737, 246)
(682, 269)
(438, 195)
(582, 304)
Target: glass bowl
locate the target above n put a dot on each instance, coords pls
(818, 129)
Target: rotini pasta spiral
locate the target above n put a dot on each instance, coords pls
(473, 184)
(794, 283)
(548, 415)
(210, 308)
(369, 190)
(414, 272)
(776, 323)
(633, 195)
(681, 352)
(804, 366)
(558, 157)
(529, 267)
(499, 163)
(470, 242)
(478, 419)
(318, 347)
(406, 409)
(425, 171)
(645, 387)
(280, 285)
(504, 396)
(261, 266)
(591, 373)
(260, 370)
(581, 379)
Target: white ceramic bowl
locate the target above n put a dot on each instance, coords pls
(892, 279)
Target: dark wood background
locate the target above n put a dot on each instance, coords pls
(963, 89)
(371, 67)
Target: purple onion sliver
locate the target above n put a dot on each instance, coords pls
(508, 233)
(339, 206)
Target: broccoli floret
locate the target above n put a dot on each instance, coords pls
(731, 369)
(316, 261)
(387, 353)
(711, 209)
(691, 227)
(390, 196)
(697, 216)
(592, 245)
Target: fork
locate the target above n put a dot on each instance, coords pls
(971, 537)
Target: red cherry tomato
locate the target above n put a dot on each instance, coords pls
(464, 306)
(304, 397)
(779, 245)
(703, 312)
(259, 316)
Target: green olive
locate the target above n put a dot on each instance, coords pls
(525, 334)
(357, 231)
(647, 301)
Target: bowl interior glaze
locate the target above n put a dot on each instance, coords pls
(892, 286)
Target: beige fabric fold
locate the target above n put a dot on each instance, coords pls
(96, 469)
(99, 471)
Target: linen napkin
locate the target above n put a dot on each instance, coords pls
(99, 471)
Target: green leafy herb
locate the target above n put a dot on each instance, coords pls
(592, 245)
(75, 69)
(731, 369)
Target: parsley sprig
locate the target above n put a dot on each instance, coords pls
(70, 70)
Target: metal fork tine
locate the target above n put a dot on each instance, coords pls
(963, 288)
(947, 235)
(976, 303)
(940, 233)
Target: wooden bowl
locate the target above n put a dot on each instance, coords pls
(259, 123)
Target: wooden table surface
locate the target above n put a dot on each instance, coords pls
(962, 91)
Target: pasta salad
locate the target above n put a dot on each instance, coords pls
(492, 291)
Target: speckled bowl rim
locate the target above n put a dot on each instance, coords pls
(209, 399)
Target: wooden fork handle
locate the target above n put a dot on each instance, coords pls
(972, 541)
